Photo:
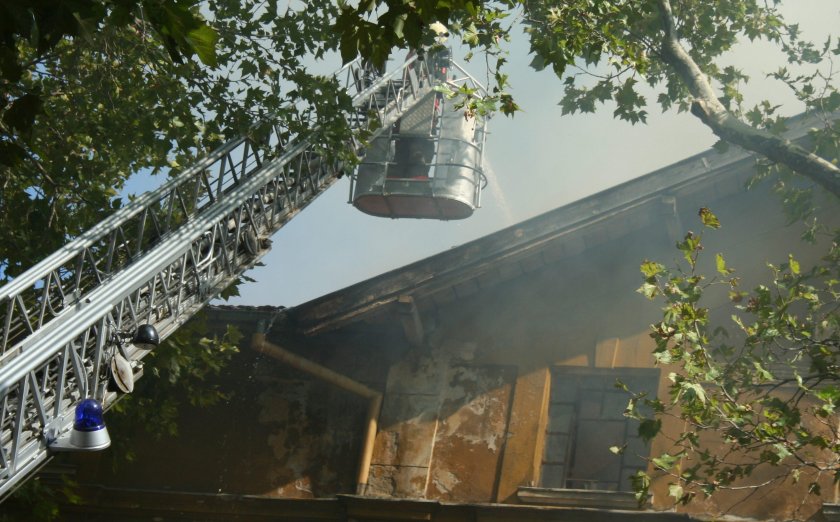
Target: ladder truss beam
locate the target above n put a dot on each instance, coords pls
(158, 260)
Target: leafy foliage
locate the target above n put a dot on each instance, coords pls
(179, 370)
(93, 92)
(37, 501)
(768, 390)
(33, 32)
(88, 112)
(176, 372)
(101, 121)
(614, 43)
(607, 52)
(373, 29)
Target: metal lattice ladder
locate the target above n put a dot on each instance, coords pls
(159, 260)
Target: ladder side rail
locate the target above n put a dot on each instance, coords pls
(138, 205)
(27, 452)
(78, 268)
(132, 276)
(9, 373)
(64, 278)
(159, 288)
(27, 426)
(86, 239)
(224, 156)
(56, 261)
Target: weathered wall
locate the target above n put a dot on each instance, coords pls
(442, 428)
(282, 433)
(577, 310)
(465, 413)
(463, 418)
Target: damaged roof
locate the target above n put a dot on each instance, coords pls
(549, 237)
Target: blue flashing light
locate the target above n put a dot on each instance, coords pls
(89, 416)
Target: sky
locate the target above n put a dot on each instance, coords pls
(535, 162)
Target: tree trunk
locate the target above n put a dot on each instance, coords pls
(728, 127)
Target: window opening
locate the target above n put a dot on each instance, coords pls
(586, 418)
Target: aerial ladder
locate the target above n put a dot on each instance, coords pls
(158, 260)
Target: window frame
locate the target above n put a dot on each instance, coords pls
(605, 377)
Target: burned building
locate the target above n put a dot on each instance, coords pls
(477, 384)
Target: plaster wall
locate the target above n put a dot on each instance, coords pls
(581, 311)
(465, 412)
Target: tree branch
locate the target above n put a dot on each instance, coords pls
(727, 126)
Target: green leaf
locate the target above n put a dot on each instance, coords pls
(708, 219)
(689, 246)
(676, 491)
(651, 269)
(641, 485)
(762, 373)
(720, 265)
(203, 41)
(538, 63)
(648, 290)
(665, 461)
(11, 154)
(782, 452)
(349, 46)
(721, 146)
(649, 428)
(694, 390)
(398, 24)
(794, 264)
(829, 394)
